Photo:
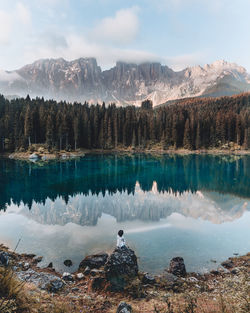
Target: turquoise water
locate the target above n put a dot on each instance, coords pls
(194, 206)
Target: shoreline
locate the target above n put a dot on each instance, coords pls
(64, 155)
(88, 290)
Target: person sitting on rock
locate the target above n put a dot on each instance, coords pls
(121, 240)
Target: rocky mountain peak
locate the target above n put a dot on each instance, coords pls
(126, 83)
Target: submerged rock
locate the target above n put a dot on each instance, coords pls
(68, 263)
(94, 261)
(50, 265)
(177, 267)
(121, 268)
(123, 307)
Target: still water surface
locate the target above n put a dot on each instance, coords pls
(194, 206)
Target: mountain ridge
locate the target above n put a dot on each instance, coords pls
(124, 84)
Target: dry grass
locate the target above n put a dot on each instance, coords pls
(12, 295)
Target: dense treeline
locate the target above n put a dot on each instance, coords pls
(191, 124)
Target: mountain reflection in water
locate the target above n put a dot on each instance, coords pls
(196, 206)
(127, 187)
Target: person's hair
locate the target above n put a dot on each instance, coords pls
(120, 233)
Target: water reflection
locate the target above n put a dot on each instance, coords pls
(195, 206)
(26, 182)
(142, 205)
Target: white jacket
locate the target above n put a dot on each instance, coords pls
(120, 242)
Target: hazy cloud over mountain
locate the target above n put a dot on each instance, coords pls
(178, 33)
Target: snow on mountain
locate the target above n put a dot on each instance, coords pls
(125, 83)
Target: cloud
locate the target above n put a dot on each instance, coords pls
(212, 5)
(9, 77)
(180, 62)
(23, 13)
(5, 27)
(10, 20)
(120, 29)
(73, 46)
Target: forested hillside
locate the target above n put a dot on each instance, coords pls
(191, 124)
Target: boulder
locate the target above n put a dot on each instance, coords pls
(94, 261)
(41, 280)
(177, 267)
(50, 265)
(123, 307)
(68, 263)
(121, 268)
(4, 258)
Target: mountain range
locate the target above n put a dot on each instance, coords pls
(125, 83)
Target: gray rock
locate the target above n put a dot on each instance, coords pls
(79, 276)
(67, 276)
(235, 271)
(55, 285)
(170, 281)
(94, 261)
(96, 272)
(34, 157)
(87, 271)
(227, 264)
(214, 272)
(4, 258)
(41, 280)
(50, 265)
(26, 266)
(68, 263)
(37, 259)
(148, 279)
(121, 268)
(123, 307)
(75, 289)
(177, 267)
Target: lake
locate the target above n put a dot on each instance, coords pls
(194, 206)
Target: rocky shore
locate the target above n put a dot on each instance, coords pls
(114, 283)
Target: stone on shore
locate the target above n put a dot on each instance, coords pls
(227, 264)
(121, 268)
(4, 258)
(148, 279)
(177, 267)
(123, 307)
(42, 280)
(94, 261)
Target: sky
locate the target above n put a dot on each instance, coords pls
(177, 33)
